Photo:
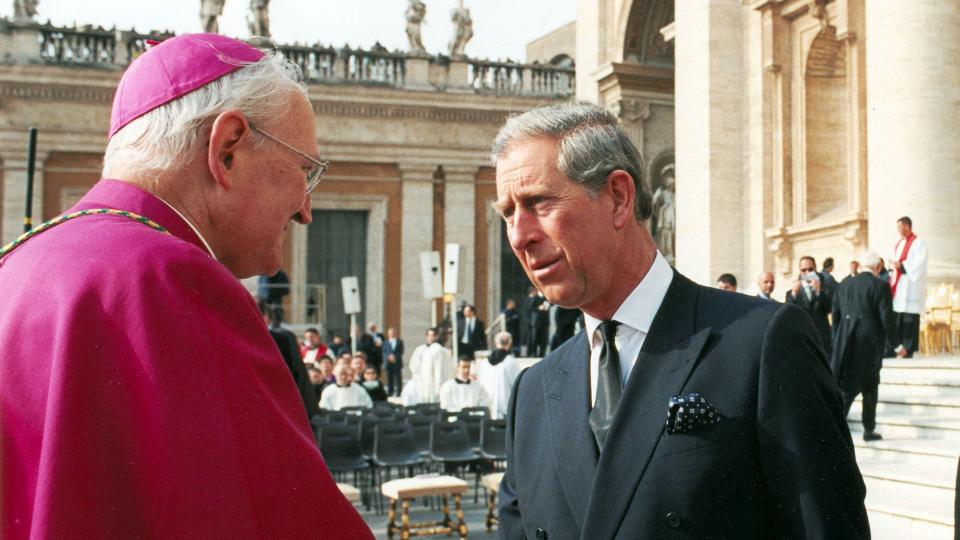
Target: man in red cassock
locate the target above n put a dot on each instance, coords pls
(141, 395)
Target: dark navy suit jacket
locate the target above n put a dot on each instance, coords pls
(779, 465)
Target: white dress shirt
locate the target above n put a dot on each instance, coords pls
(635, 316)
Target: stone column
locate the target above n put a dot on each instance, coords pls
(709, 120)
(417, 236)
(459, 221)
(913, 122)
(15, 191)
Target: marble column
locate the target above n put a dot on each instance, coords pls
(459, 221)
(708, 113)
(913, 122)
(15, 192)
(417, 236)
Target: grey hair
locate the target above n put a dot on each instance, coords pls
(503, 339)
(590, 145)
(169, 137)
(869, 259)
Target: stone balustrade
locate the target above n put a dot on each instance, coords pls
(32, 43)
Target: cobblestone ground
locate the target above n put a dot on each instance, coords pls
(475, 514)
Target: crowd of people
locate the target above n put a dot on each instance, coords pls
(873, 313)
(333, 377)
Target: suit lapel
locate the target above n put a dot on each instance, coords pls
(566, 391)
(668, 356)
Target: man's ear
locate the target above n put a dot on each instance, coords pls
(229, 129)
(624, 194)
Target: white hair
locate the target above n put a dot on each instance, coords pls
(504, 339)
(169, 137)
(869, 259)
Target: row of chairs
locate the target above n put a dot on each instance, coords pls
(376, 444)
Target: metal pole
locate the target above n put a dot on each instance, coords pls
(433, 313)
(31, 164)
(353, 334)
(453, 325)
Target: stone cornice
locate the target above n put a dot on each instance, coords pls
(55, 92)
(418, 112)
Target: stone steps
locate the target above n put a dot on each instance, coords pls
(910, 474)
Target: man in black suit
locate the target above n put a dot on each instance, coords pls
(862, 318)
(470, 333)
(290, 351)
(393, 352)
(538, 323)
(371, 343)
(566, 320)
(755, 444)
(809, 293)
(511, 323)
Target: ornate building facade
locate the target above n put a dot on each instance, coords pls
(408, 135)
(797, 126)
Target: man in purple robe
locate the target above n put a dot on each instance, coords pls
(141, 395)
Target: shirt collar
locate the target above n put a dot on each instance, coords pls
(640, 307)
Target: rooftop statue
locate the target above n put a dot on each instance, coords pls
(259, 18)
(416, 11)
(24, 10)
(210, 11)
(464, 30)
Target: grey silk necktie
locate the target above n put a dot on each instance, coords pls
(609, 386)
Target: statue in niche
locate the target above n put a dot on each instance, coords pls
(416, 11)
(259, 18)
(210, 12)
(464, 29)
(24, 10)
(665, 214)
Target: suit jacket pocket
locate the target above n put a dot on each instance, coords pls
(729, 431)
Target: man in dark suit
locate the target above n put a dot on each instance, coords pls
(470, 333)
(287, 344)
(809, 293)
(566, 320)
(371, 343)
(862, 318)
(538, 322)
(393, 352)
(511, 323)
(755, 444)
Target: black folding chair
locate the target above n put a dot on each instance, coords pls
(340, 447)
(473, 417)
(450, 445)
(420, 425)
(394, 446)
(366, 429)
(493, 447)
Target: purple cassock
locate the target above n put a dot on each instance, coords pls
(141, 395)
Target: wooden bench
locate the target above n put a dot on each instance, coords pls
(405, 489)
(492, 483)
(351, 493)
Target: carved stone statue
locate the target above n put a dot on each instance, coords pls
(24, 10)
(210, 11)
(665, 212)
(416, 11)
(464, 29)
(259, 18)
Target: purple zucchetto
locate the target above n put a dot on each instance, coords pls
(173, 69)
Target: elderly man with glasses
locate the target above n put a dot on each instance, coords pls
(141, 395)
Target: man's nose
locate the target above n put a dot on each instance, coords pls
(304, 216)
(525, 229)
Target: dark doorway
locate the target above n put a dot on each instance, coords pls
(337, 247)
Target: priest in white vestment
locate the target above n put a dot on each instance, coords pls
(462, 391)
(430, 366)
(497, 375)
(345, 393)
(908, 283)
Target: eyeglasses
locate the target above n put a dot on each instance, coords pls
(319, 166)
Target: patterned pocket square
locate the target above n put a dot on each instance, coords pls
(690, 412)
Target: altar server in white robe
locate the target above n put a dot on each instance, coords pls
(430, 366)
(345, 393)
(908, 283)
(498, 375)
(462, 391)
